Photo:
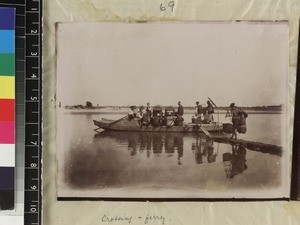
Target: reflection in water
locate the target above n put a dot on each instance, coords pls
(171, 143)
(235, 162)
(203, 149)
(155, 143)
(132, 164)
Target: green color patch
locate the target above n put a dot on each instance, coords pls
(7, 64)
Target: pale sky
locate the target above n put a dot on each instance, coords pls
(161, 63)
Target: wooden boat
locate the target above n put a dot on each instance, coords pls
(125, 124)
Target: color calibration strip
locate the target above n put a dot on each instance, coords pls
(7, 108)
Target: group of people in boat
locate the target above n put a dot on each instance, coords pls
(156, 116)
(203, 114)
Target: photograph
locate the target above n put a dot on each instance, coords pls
(172, 110)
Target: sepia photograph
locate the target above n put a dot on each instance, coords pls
(172, 110)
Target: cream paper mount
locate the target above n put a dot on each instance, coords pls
(85, 212)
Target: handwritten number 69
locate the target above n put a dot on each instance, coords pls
(170, 5)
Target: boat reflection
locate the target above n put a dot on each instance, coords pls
(204, 149)
(155, 143)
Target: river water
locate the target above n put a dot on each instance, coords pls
(155, 165)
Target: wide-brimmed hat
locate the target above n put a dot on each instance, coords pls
(232, 105)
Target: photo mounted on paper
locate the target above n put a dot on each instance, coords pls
(172, 110)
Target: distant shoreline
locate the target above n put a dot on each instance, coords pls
(264, 108)
(122, 112)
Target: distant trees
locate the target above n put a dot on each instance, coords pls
(89, 105)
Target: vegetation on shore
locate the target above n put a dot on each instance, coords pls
(264, 108)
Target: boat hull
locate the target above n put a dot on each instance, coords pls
(125, 124)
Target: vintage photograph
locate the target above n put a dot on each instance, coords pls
(172, 110)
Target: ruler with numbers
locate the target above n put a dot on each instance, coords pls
(28, 96)
(33, 113)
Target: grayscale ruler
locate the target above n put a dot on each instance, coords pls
(33, 113)
(28, 105)
(19, 5)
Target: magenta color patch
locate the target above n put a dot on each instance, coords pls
(7, 132)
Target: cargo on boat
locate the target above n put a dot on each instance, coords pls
(126, 124)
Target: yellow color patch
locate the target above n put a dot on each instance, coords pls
(7, 87)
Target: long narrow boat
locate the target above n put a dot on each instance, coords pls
(125, 124)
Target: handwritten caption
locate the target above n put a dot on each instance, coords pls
(146, 219)
(169, 6)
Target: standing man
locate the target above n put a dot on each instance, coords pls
(148, 108)
(235, 120)
(148, 113)
(210, 111)
(199, 111)
(180, 111)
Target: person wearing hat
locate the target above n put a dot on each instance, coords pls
(235, 120)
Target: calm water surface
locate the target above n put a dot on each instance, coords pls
(122, 164)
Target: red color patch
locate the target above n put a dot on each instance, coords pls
(7, 110)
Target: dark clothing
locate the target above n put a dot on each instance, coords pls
(199, 109)
(156, 121)
(210, 109)
(148, 111)
(180, 110)
(179, 121)
(235, 117)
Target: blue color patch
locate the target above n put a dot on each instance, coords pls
(7, 41)
(7, 18)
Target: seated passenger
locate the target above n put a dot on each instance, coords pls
(156, 122)
(141, 112)
(131, 113)
(144, 120)
(194, 118)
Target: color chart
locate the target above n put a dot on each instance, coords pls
(7, 108)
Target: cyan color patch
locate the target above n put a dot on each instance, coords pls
(7, 41)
